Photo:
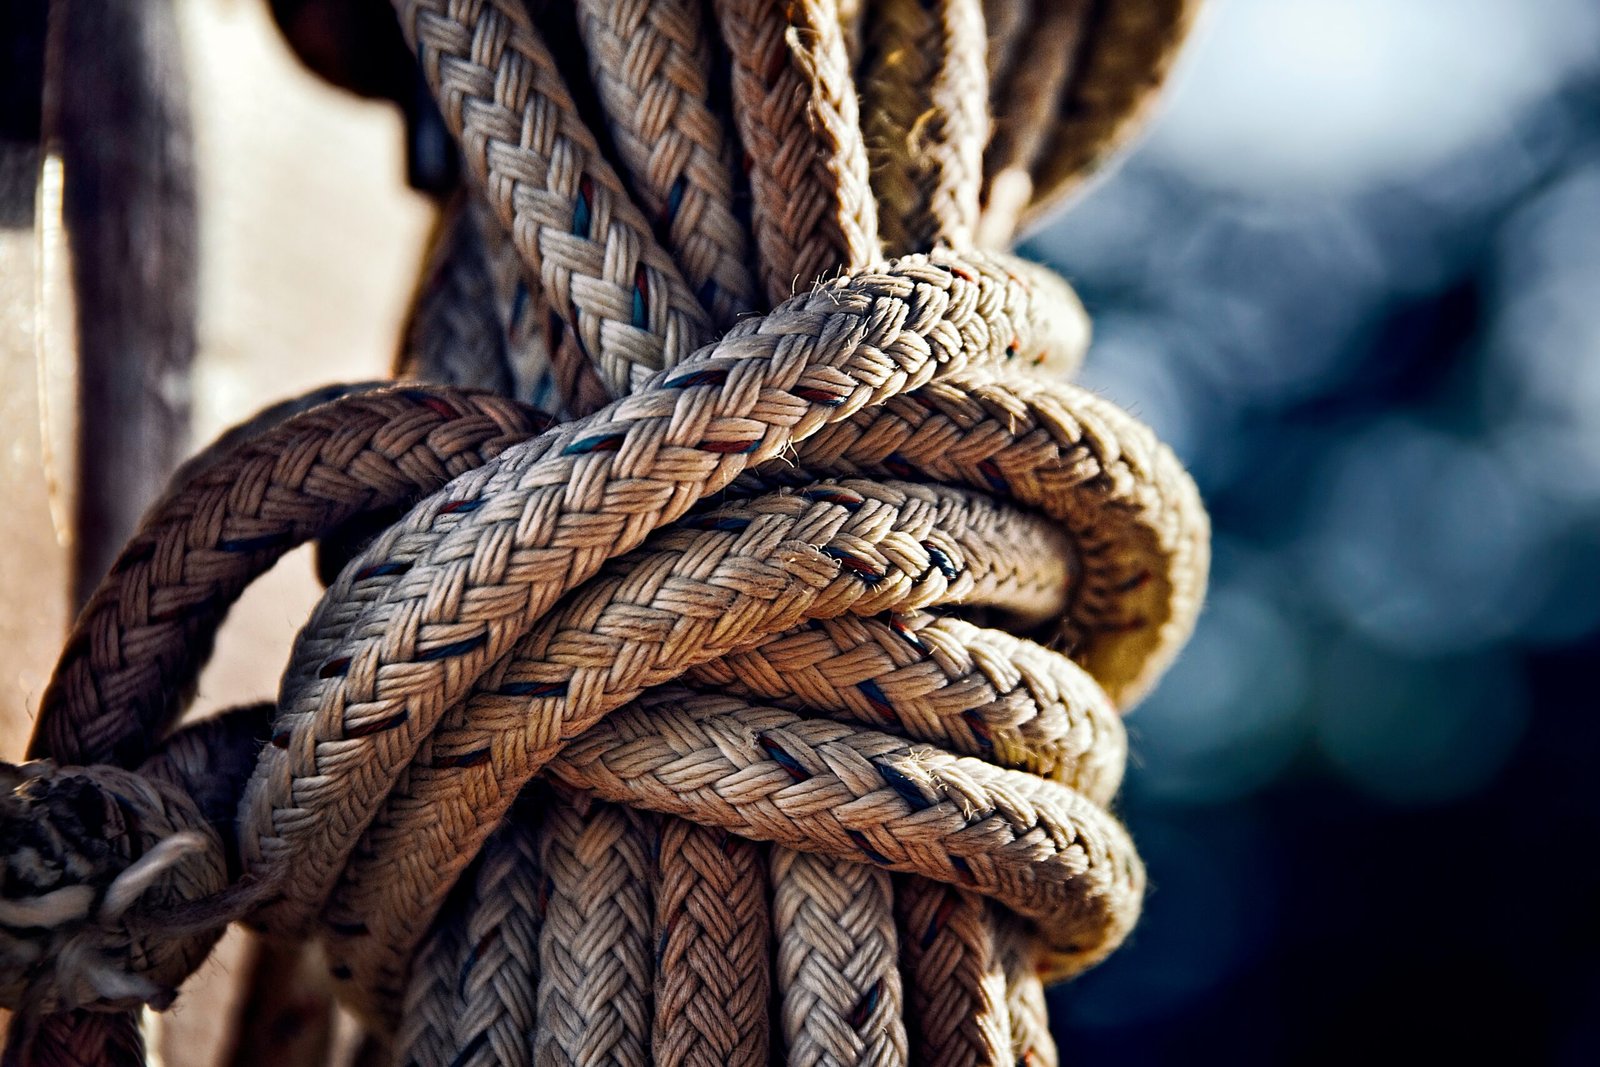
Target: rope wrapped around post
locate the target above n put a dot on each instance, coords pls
(732, 637)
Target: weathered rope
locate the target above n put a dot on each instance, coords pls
(796, 112)
(925, 120)
(714, 614)
(651, 62)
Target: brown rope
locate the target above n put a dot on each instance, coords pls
(835, 959)
(596, 957)
(925, 120)
(1026, 101)
(627, 305)
(518, 620)
(713, 929)
(953, 968)
(652, 65)
(1130, 49)
(795, 109)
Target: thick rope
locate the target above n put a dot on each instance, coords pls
(713, 929)
(795, 108)
(625, 301)
(527, 617)
(652, 65)
(596, 956)
(953, 968)
(925, 120)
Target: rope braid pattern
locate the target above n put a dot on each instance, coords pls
(925, 119)
(780, 520)
(796, 111)
(713, 931)
(652, 65)
(596, 956)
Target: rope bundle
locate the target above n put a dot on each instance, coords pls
(675, 726)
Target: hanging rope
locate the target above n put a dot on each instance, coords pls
(619, 715)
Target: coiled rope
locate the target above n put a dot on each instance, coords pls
(728, 637)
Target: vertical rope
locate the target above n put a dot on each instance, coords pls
(498, 981)
(651, 63)
(1031, 1041)
(795, 108)
(925, 120)
(837, 966)
(954, 969)
(713, 930)
(596, 959)
(1026, 103)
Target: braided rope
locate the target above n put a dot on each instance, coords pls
(1132, 44)
(140, 641)
(516, 620)
(835, 957)
(1031, 1043)
(502, 96)
(712, 929)
(953, 968)
(652, 66)
(661, 464)
(795, 107)
(925, 120)
(596, 956)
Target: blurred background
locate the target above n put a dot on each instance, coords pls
(1352, 276)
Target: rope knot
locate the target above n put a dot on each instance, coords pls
(86, 850)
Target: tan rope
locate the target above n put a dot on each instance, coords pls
(925, 120)
(596, 957)
(795, 108)
(1031, 1043)
(560, 478)
(624, 300)
(491, 744)
(814, 212)
(954, 971)
(140, 641)
(835, 957)
(426, 1036)
(652, 66)
(1045, 851)
(1131, 47)
(712, 932)
(1026, 103)
(485, 636)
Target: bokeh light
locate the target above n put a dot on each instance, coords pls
(1353, 278)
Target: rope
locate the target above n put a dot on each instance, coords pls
(596, 957)
(925, 97)
(651, 62)
(712, 929)
(794, 102)
(729, 619)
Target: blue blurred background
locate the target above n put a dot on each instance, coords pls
(1353, 278)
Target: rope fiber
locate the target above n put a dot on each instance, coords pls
(729, 612)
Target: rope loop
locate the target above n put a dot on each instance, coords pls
(790, 659)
